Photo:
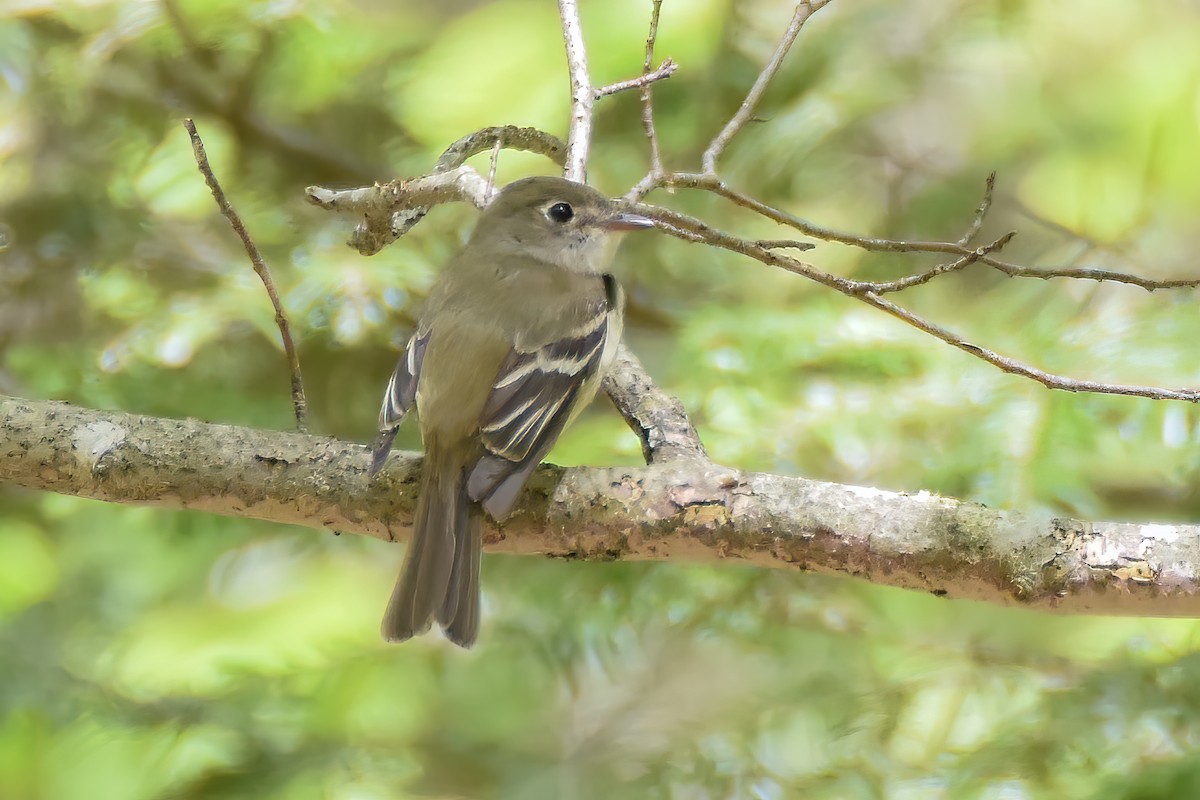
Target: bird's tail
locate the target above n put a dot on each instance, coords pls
(441, 570)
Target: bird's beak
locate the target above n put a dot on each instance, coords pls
(627, 221)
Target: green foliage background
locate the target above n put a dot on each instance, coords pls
(147, 654)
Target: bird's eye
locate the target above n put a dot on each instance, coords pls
(560, 212)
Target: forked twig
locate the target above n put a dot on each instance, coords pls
(664, 71)
(714, 184)
(693, 230)
(908, 281)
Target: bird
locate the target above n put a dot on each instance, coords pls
(518, 331)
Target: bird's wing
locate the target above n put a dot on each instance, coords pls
(400, 397)
(531, 402)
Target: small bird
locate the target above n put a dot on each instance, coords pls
(519, 329)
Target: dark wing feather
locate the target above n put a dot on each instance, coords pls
(530, 404)
(400, 397)
(496, 481)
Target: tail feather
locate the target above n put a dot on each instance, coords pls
(459, 614)
(446, 540)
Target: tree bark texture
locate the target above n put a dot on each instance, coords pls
(677, 509)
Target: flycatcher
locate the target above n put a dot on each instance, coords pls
(518, 332)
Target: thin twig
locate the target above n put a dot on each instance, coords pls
(299, 404)
(784, 244)
(694, 230)
(656, 164)
(664, 71)
(1012, 367)
(452, 161)
(980, 212)
(804, 10)
(712, 183)
(919, 278)
(1089, 274)
(490, 192)
(469, 184)
(649, 182)
(579, 132)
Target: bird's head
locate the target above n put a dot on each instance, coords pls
(556, 221)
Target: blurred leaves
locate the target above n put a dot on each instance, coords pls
(147, 654)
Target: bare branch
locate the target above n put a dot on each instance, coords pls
(784, 244)
(919, 278)
(391, 201)
(659, 420)
(391, 210)
(804, 10)
(649, 182)
(664, 71)
(1090, 274)
(580, 130)
(299, 403)
(713, 183)
(656, 165)
(694, 230)
(685, 509)
(981, 211)
(1012, 367)
(490, 192)
(510, 137)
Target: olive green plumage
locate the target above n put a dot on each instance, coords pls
(519, 329)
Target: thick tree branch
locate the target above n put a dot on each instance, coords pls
(684, 509)
(659, 419)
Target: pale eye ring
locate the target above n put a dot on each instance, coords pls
(560, 212)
